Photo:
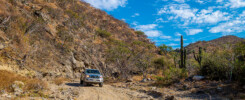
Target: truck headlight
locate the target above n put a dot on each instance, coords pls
(87, 76)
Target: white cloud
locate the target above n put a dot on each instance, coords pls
(178, 39)
(107, 4)
(123, 20)
(160, 20)
(146, 27)
(242, 14)
(165, 37)
(172, 44)
(189, 15)
(134, 23)
(233, 26)
(152, 33)
(180, 10)
(229, 27)
(135, 15)
(177, 34)
(200, 1)
(180, 1)
(219, 0)
(193, 31)
(236, 3)
(150, 30)
(210, 16)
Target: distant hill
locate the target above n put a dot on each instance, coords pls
(219, 43)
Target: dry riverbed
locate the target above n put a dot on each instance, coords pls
(130, 91)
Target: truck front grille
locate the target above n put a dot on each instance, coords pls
(94, 76)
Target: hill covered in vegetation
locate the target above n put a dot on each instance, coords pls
(224, 42)
(51, 38)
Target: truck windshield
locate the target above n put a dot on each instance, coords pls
(93, 71)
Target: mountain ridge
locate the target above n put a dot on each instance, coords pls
(219, 43)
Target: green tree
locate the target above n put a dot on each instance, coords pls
(164, 48)
(144, 61)
(140, 33)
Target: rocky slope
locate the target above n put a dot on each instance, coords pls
(51, 38)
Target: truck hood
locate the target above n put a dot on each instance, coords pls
(94, 75)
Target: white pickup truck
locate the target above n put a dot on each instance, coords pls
(91, 76)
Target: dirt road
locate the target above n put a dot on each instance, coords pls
(74, 90)
(119, 91)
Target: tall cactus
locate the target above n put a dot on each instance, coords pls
(185, 58)
(182, 53)
(198, 57)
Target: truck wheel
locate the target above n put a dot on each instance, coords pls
(84, 83)
(81, 81)
(101, 84)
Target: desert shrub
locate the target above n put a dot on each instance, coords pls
(215, 66)
(143, 44)
(171, 75)
(103, 33)
(163, 63)
(73, 14)
(159, 63)
(136, 42)
(239, 70)
(55, 13)
(117, 53)
(140, 33)
(224, 64)
(60, 80)
(114, 42)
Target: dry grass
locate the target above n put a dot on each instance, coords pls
(35, 85)
(137, 78)
(140, 77)
(60, 80)
(8, 78)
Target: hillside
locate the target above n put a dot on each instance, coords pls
(220, 43)
(51, 38)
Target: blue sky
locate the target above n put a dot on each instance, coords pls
(164, 21)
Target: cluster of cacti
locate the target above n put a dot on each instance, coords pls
(182, 54)
(198, 57)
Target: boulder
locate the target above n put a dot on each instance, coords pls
(170, 98)
(2, 46)
(6, 95)
(198, 78)
(143, 80)
(18, 87)
(129, 80)
(153, 88)
(149, 79)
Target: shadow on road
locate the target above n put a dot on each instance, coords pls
(79, 85)
(74, 84)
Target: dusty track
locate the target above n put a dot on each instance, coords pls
(76, 91)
